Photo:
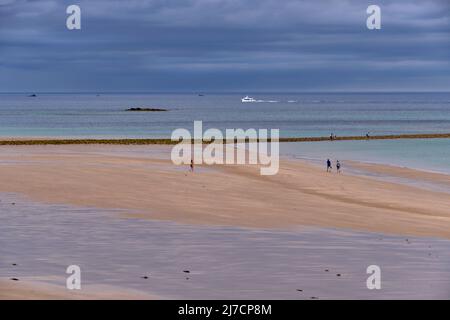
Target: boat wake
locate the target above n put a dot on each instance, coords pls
(248, 99)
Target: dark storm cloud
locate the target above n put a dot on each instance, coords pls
(221, 45)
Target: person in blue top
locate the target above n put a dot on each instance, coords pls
(329, 168)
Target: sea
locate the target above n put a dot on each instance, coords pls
(104, 115)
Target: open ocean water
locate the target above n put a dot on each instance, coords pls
(296, 115)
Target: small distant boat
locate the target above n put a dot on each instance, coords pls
(248, 99)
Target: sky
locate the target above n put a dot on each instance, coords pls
(224, 46)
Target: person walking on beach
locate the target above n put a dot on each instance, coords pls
(338, 166)
(192, 166)
(329, 168)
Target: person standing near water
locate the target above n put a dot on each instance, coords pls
(192, 166)
(329, 168)
(338, 166)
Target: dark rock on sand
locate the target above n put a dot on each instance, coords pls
(146, 109)
(14, 279)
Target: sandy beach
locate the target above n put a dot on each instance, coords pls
(123, 185)
(143, 181)
(35, 290)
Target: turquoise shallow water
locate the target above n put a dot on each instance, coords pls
(423, 154)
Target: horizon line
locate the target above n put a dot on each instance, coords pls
(219, 92)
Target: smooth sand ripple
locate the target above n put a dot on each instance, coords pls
(149, 186)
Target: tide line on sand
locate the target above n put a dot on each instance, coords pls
(161, 141)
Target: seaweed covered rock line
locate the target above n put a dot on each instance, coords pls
(163, 141)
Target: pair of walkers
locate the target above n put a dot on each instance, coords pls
(330, 168)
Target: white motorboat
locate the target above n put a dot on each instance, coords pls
(248, 99)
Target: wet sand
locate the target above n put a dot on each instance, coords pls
(405, 173)
(143, 181)
(121, 256)
(33, 290)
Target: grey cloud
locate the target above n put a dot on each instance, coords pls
(195, 44)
